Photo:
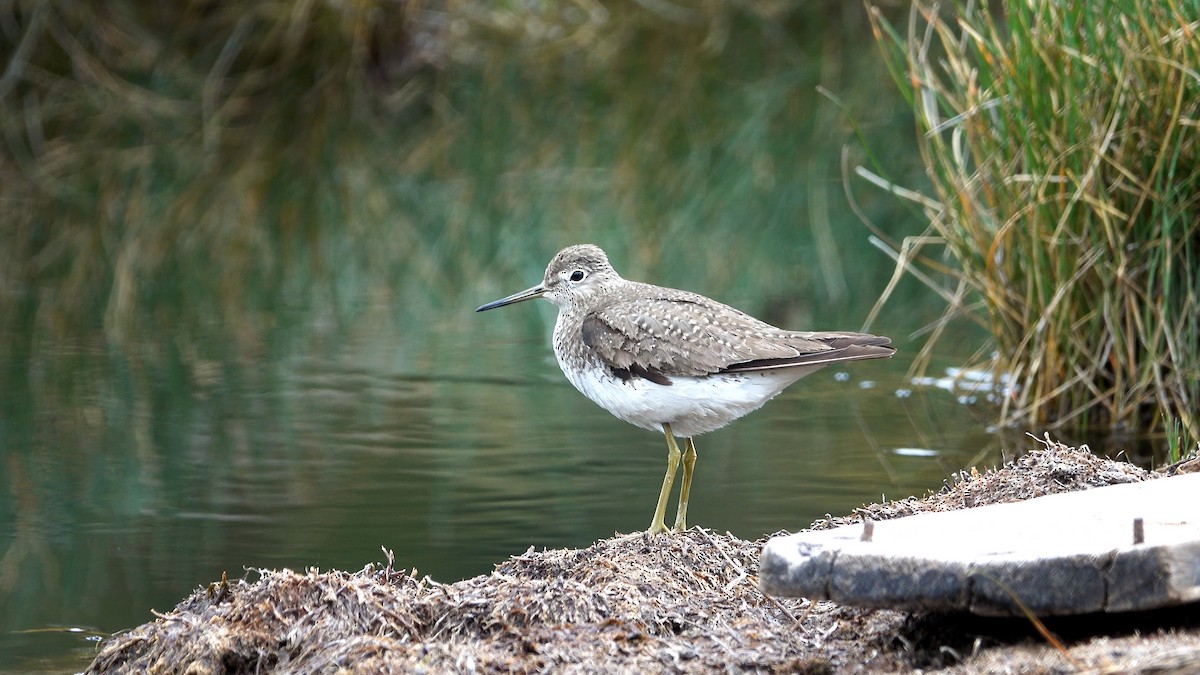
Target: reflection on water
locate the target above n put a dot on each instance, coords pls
(126, 491)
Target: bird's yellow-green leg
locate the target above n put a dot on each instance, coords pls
(656, 523)
(685, 489)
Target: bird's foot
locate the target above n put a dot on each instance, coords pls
(657, 527)
(641, 534)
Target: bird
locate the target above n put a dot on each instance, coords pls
(673, 361)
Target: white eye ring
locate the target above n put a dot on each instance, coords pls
(577, 275)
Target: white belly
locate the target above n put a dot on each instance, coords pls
(691, 405)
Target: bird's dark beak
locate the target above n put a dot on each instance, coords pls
(521, 296)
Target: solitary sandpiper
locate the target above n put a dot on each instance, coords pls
(661, 358)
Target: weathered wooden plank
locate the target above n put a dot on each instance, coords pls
(1062, 554)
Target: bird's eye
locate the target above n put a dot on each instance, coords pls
(577, 275)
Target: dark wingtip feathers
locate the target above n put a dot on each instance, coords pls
(844, 347)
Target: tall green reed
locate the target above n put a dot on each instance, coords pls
(1063, 144)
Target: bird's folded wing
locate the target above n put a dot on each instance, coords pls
(688, 337)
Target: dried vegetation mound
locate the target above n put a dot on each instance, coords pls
(640, 603)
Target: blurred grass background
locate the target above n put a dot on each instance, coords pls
(206, 160)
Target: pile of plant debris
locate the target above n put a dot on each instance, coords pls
(641, 603)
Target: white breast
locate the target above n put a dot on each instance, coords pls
(691, 405)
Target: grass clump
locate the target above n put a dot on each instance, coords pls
(1063, 146)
